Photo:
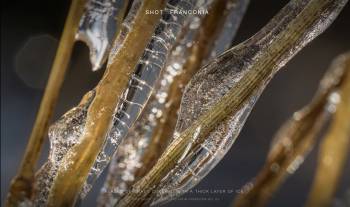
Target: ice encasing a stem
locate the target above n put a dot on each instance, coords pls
(216, 79)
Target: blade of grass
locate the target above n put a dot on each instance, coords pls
(77, 163)
(293, 142)
(261, 69)
(334, 148)
(22, 185)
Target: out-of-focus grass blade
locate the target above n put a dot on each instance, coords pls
(293, 142)
(21, 188)
(334, 149)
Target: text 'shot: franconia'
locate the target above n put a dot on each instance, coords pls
(179, 11)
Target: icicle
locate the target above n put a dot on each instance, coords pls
(215, 80)
(236, 10)
(98, 28)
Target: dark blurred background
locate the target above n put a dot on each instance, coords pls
(29, 35)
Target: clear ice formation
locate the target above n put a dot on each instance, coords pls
(98, 28)
(63, 135)
(127, 160)
(213, 82)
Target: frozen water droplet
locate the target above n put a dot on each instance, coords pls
(98, 27)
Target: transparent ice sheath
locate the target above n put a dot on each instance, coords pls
(98, 28)
(127, 160)
(213, 81)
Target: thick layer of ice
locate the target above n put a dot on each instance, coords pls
(215, 80)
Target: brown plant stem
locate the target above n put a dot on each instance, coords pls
(77, 163)
(334, 148)
(261, 69)
(22, 185)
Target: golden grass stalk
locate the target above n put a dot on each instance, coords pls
(334, 148)
(293, 142)
(261, 69)
(205, 38)
(22, 185)
(77, 163)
